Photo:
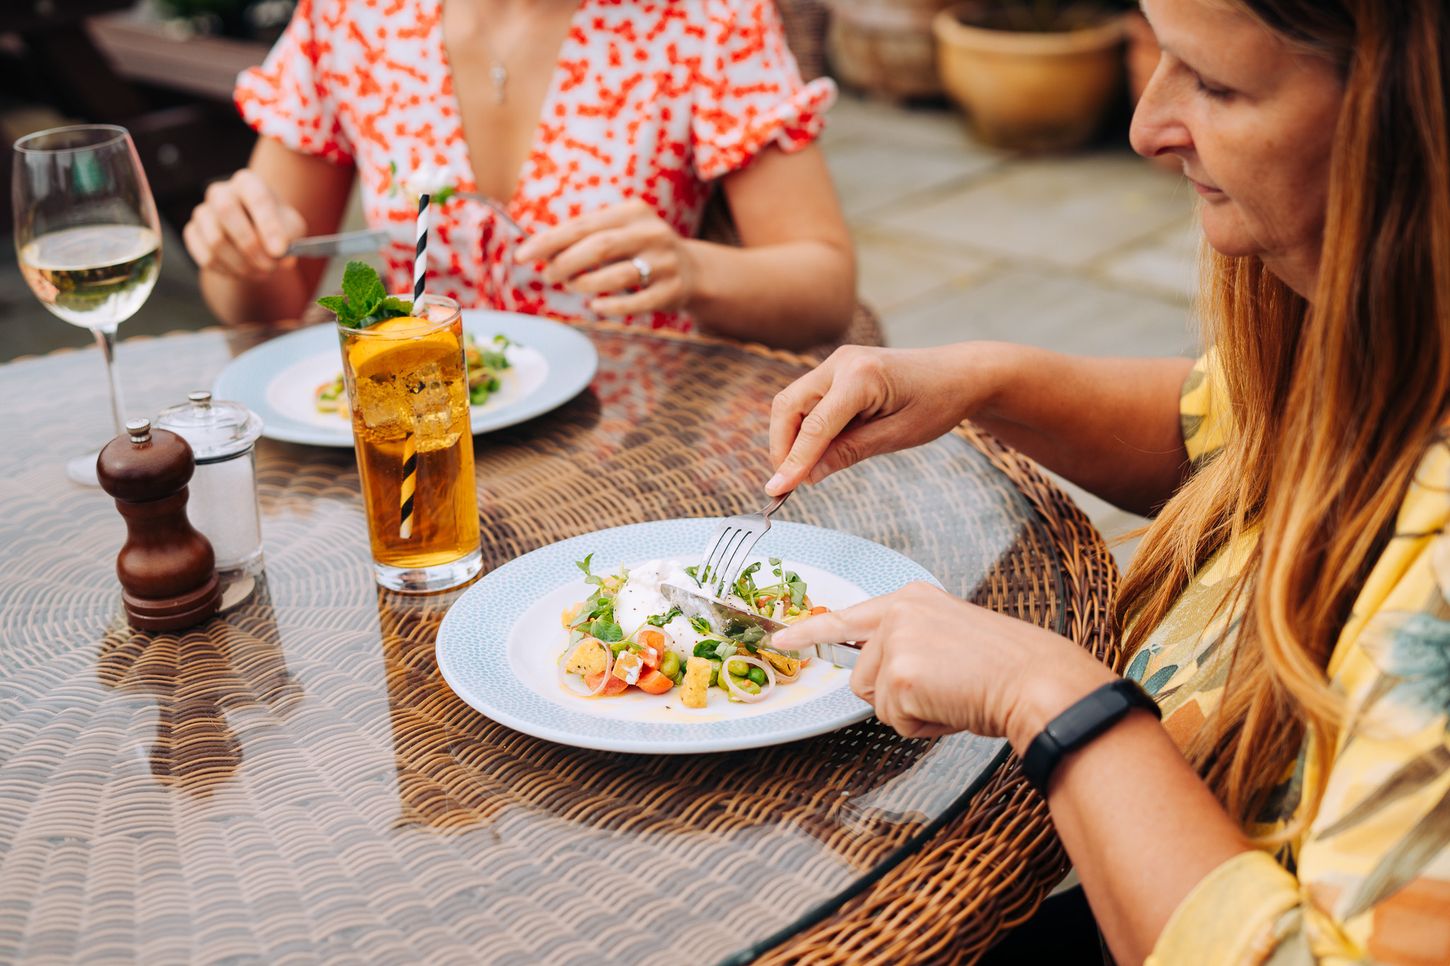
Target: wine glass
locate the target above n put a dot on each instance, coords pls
(87, 238)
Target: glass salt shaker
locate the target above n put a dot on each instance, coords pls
(223, 504)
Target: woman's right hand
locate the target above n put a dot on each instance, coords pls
(242, 229)
(865, 401)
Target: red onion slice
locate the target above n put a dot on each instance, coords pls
(739, 693)
(565, 677)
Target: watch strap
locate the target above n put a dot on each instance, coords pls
(1083, 721)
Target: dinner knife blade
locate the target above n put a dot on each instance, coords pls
(721, 614)
(344, 243)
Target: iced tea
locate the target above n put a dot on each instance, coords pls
(407, 386)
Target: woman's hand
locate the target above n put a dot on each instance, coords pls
(861, 402)
(242, 229)
(593, 255)
(931, 665)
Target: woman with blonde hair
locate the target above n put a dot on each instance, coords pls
(1287, 612)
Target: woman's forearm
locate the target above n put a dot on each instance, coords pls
(283, 295)
(1109, 425)
(791, 294)
(1139, 825)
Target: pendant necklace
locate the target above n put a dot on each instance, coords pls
(499, 74)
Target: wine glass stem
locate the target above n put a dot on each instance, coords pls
(106, 339)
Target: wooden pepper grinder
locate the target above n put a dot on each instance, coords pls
(167, 569)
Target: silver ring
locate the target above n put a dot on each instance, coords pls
(645, 272)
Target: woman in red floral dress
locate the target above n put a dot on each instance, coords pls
(598, 126)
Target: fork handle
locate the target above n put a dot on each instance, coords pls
(776, 503)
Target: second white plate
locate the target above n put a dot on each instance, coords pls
(551, 364)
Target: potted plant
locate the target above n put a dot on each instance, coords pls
(885, 47)
(1035, 75)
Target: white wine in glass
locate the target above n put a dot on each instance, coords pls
(87, 237)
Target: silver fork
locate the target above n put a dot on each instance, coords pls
(498, 209)
(730, 547)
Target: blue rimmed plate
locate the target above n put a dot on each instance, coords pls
(500, 643)
(551, 364)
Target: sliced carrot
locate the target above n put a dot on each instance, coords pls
(653, 682)
(819, 610)
(613, 686)
(653, 642)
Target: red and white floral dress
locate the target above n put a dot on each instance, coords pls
(651, 99)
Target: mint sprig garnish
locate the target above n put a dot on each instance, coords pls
(364, 300)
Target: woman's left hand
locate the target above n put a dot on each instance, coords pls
(931, 665)
(594, 255)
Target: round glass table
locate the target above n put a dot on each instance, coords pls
(294, 779)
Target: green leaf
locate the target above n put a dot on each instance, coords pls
(701, 625)
(335, 304)
(392, 307)
(743, 633)
(583, 565)
(362, 288)
(660, 620)
(442, 196)
(606, 631)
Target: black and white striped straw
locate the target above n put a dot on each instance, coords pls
(420, 256)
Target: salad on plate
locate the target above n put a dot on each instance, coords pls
(627, 637)
(487, 366)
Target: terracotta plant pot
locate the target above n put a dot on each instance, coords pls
(885, 47)
(1029, 91)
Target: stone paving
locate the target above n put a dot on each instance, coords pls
(1090, 253)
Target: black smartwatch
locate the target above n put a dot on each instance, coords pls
(1081, 723)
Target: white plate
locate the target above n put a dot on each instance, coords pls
(552, 363)
(500, 642)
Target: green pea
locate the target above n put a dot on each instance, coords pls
(670, 664)
(748, 685)
(739, 669)
(757, 676)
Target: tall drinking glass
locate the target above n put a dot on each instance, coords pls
(87, 237)
(407, 387)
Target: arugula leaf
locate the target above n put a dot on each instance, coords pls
(589, 578)
(694, 572)
(745, 584)
(607, 631)
(701, 625)
(743, 633)
(660, 620)
(797, 587)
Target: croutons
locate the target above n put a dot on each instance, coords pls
(789, 666)
(588, 657)
(569, 615)
(694, 689)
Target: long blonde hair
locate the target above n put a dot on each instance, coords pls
(1331, 402)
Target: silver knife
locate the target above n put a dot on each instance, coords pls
(722, 615)
(344, 243)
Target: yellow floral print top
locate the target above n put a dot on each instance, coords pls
(1370, 879)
